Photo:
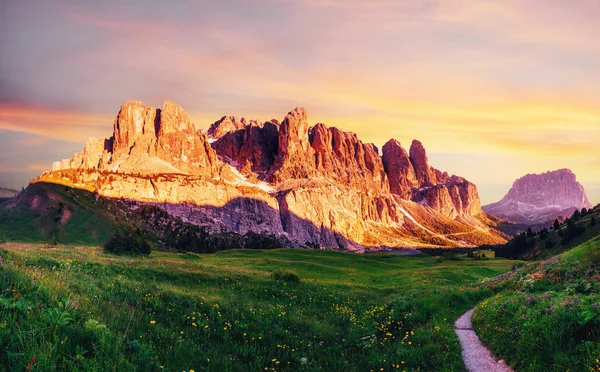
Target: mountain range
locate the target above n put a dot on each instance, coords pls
(6, 192)
(312, 185)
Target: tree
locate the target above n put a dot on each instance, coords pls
(576, 216)
(556, 224)
(128, 241)
(584, 212)
(593, 221)
(543, 233)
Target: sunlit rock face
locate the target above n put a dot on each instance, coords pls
(540, 198)
(314, 185)
(412, 178)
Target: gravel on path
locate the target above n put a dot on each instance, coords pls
(476, 356)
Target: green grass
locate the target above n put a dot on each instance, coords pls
(81, 309)
(46, 212)
(548, 318)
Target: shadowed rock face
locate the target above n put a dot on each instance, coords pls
(540, 198)
(252, 149)
(315, 186)
(399, 169)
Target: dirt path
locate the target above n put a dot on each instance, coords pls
(476, 356)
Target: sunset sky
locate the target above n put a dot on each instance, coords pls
(493, 89)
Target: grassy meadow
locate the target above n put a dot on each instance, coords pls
(77, 308)
(548, 317)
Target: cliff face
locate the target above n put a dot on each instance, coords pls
(316, 186)
(540, 198)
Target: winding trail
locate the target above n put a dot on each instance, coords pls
(477, 357)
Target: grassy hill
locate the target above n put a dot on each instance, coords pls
(68, 308)
(47, 213)
(548, 318)
(543, 244)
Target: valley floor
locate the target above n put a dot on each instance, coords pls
(69, 308)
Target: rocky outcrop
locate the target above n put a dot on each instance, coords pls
(252, 150)
(412, 178)
(453, 198)
(317, 187)
(399, 169)
(342, 157)
(147, 140)
(540, 198)
(294, 153)
(226, 124)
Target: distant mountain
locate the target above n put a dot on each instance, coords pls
(540, 198)
(7, 193)
(311, 186)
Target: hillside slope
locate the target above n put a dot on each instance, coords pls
(548, 316)
(580, 227)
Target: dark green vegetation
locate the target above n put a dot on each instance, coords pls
(128, 241)
(548, 317)
(73, 308)
(54, 214)
(559, 237)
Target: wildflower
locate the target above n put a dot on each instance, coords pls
(153, 322)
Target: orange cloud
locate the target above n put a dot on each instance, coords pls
(59, 124)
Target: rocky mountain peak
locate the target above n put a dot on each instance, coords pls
(174, 119)
(399, 169)
(537, 198)
(226, 124)
(294, 155)
(418, 158)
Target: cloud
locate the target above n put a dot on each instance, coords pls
(51, 123)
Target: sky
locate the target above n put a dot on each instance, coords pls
(493, 89)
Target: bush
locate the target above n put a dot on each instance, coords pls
(451, 256)
(128, 241)
(286, 276)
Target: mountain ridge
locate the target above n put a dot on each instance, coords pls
(319, 174)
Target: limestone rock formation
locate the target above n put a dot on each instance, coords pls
(313, 186)
(147, 140)
(412, 178)
(252, 150)
(399, 169)
(225, 125)
(344, 158)
(540, 198)
(294, 153)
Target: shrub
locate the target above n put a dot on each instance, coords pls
(128, 241)
(286, 276)
(451, 256)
